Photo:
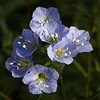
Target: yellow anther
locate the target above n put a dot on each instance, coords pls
(42, 77)
(59, 52)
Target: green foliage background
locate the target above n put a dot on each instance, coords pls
(81, 79)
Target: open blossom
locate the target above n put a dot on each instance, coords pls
(63, 51)
(65, 44)
(80, 38)
(41, 79)
(18, 65)
(42, 16)
(25, 44)
(53, 33)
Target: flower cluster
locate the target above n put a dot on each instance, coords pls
(64, 44)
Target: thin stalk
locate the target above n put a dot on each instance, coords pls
(4, 96)
(4, 26)
(40, 96)
(62, 85)
(89, 77)
(94, 96)
(79, 67)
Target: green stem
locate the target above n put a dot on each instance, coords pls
(47, 63)
(62, 85)
(93, 97)
(89, 77)
(4, 96)
(4, 26)
(40, 96)
(79, 67)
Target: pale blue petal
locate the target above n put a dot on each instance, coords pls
(66, 60)
(29, 77)
(39, 13)
(35, 87)
(86, 48)
(18, 73)
(50, 52)
(50, 86)
(30, 36)
(53, 13)
(72, 34)
(52, 74)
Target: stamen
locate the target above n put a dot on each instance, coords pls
(19, 64)
(79, 33)
(19, 42)
(22, 64)
(54, 37)
(85, 38)
(46, 32)
(66, 54)
(20, 37)
(82, 44)
(78, 40)
(11, 63)
(46, 85)
(69, 52)
(18, 68)
(59, 52)
(45, 20)
(74, 40)
(25, 63)
(67, 48)
(42, 24)
(24, 46)
(42, 77)
(36, 85)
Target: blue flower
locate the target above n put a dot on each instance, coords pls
(53, 32)
(41, 79)
(80, 38)
(41, 16)
(18, 65)
(63, 51)
(25, 44)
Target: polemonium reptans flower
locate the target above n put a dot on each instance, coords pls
(18, 65)
(53, 32)
(41, 16)
(80, 38)
(25, 44)
(63, 51)
(41, 79)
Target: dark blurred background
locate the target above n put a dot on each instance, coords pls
(81, 79)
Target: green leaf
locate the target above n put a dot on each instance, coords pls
(82, 9)
(7, 40)
(97, 66)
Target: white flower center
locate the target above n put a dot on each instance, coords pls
(80, 42)
(54, 37)
(60, 52)
(45, 20)
(42, 77)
